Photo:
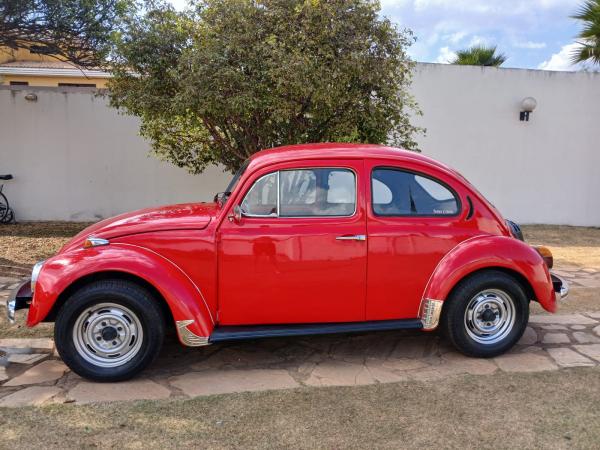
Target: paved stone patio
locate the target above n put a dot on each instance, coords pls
(31, 373)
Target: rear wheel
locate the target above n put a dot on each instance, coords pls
(4, 207)
(486, 314)
(109, 330)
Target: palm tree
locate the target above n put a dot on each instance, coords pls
(479, 55)
(589, 37)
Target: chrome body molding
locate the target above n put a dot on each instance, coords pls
(187, 337)
(430, 312)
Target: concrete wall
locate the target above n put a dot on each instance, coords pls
(74, 158)
(546, 170)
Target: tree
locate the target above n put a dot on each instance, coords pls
(222, 80)
(589, 37)
(78, 31)
(479, 55)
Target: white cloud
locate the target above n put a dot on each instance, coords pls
(446, 55)
(530, 45)
(478, 41)
(455, 38)
(560, 60)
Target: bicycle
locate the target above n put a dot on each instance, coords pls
(7, 215)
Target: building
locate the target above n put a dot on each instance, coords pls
(22, 67)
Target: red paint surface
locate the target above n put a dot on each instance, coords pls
(293, 270)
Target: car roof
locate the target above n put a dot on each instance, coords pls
(334, 150)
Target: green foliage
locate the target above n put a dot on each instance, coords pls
(589, 37)
(479, 55)
(80, 31)
(218, 82)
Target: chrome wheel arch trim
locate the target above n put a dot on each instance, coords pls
(430, 312)
(189, 338)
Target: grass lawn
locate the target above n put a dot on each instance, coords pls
(539, 410)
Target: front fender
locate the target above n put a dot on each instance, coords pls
(184, 298)
(483, 252)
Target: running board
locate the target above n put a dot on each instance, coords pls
(243, 332)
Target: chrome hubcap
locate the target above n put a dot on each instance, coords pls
(490, 316)
(107, 335)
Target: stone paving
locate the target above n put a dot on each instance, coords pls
(31, 373)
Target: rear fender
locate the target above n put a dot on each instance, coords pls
(485, 252)
(193, 318)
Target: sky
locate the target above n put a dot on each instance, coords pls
(533, 34)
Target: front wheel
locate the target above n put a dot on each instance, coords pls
(486, 314)
(109, 330)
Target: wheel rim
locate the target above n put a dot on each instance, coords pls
(490, 316)
(108, 335)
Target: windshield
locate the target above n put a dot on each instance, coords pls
(234, 181)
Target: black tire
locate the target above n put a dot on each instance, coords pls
(136, 301)
(459, 327)
(4, 206)
(9, 218)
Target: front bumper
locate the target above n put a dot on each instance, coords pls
(561, 287)
(19, 298)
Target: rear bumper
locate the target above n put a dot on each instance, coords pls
(561, 287)
(19, 298)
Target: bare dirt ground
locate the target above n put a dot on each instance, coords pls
(554, 410)
(571, 246)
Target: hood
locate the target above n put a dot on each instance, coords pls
(185, 216)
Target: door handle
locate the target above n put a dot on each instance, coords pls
(352, 237)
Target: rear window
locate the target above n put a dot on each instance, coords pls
(397, 192)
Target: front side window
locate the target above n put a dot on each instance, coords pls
(401, 193)
(311, 192)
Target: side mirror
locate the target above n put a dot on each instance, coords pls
(237, 214)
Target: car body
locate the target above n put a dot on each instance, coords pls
(314, 238)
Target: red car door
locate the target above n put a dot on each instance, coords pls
(298, 254)
(414, 218)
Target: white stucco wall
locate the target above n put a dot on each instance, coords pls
(74, 158)
(546, 170)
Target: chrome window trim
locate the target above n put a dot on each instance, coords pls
(279, 216)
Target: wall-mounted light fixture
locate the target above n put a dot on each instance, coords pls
(527, 106)
(31, 97)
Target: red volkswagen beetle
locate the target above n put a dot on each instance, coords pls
(307, 239)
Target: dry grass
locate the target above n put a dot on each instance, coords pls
(23, 244)
(573, 246)
(552, 410)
